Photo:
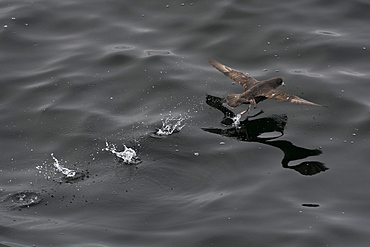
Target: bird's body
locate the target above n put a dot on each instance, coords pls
(256, 91)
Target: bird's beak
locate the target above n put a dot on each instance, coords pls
(283, 84)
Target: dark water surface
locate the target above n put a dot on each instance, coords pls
(78, 74)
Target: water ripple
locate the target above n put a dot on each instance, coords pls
(22, 199)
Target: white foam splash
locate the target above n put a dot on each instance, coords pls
(236, 120)
(66, 172)
(171, 125)
(128, 155)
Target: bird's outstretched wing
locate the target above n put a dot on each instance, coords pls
(246, 81)
(287, 97)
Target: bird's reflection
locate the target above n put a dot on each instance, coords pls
(251, 131)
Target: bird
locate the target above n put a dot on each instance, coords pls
(256, 91)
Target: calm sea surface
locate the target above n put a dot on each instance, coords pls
(80, 80)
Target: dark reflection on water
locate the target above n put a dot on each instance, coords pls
(251, 131)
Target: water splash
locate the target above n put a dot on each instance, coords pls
(128, 155)
(236, 120)
(52, 172)
(66, 172)
(171, 125)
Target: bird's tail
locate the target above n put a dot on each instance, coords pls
(233, 100)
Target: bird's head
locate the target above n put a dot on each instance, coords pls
(277, 82)
(280, 81)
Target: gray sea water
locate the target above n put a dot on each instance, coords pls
(86, 85)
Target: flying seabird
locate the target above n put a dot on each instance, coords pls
(256, 91)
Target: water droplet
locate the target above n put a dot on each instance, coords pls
(182, 4)
(268, 43)
(196, 154)
(5, 26)
(264, 70)
(354, 134)
(13, 18)
(167, 6)
(222, 143)
(364, 48)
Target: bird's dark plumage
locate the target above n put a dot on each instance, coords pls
(256, 91)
